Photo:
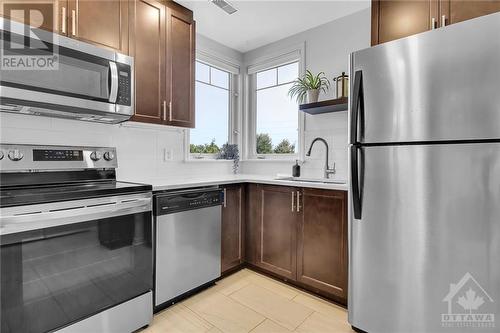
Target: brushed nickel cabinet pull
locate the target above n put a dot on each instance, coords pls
(164, 110)
(298, 202)
(433, 23)
(225, 201)
(443, 21)
(73, 22)
(293, 201)
(63, 20)
(170, 111)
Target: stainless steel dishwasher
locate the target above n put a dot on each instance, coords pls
(188, 242)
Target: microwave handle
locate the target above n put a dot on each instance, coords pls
(113, 78)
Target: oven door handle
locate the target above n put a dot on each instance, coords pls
(14, 222)
(113, 82)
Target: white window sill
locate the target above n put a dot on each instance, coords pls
(268, 160)
(204, 160)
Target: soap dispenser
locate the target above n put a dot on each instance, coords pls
(296, 169)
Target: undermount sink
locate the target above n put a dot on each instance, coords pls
(312, 180)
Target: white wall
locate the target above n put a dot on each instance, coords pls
(140, 147)
(327, 50)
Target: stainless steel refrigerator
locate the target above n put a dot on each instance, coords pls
(424, 244)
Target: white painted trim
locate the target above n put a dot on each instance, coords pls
(218, 61)
(274, 59)
(234, 105)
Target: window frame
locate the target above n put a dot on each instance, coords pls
(233, 92)
(295, 54)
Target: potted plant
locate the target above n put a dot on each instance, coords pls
(309, 86)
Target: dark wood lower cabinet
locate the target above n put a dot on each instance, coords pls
(322, 242)
(278, 231)
(233, 217)
(299, 235)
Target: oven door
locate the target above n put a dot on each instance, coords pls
(64, 261)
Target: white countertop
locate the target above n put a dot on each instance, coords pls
(179, 183)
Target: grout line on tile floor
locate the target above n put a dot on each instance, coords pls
(303, 321)
(263, 320)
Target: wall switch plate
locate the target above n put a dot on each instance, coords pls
(168, 154)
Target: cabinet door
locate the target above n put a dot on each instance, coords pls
(277, 251)
(393, 19)
(148, 48)
(460, 10)
(322, 242)
(101, 22)
(252, 223)
(180, 65)
(50, 15)
(233, 214)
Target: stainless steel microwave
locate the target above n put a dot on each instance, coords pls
(50, 75)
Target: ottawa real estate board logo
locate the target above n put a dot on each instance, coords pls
(469, 305)
(25, 43)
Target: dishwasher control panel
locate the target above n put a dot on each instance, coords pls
(171, 202)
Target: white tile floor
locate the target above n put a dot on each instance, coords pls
(250, 302)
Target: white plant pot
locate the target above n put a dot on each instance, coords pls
(312, 95)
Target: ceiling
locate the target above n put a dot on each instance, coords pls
(260, 22)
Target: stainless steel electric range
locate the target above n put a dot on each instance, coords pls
(76, 245)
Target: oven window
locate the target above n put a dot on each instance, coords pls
(74, 77)
(55, 276)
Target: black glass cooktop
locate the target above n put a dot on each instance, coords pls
(34, 194)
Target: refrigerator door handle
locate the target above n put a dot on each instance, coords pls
(355, 190)
(357, 102)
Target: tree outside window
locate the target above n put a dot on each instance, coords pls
(276, 114)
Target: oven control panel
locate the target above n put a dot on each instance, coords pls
(15, 157)
(57, 155)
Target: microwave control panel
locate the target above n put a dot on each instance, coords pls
(124, 84)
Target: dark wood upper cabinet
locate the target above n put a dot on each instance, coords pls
(180, 65)
(322, 242)
(101, 22)
(455, 11)
(148, 49)
(278, 220)
(54, 14)
(163, 46)
(233, 218)
(393, 19)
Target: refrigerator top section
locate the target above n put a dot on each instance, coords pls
(441, 85)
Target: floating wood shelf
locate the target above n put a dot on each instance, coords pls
(331, 105)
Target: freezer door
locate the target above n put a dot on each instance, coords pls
(427, 244)
(438, 85)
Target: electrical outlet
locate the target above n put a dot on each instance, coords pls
(168, 154)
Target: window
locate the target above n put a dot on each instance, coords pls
(276, 114)
(212, 107)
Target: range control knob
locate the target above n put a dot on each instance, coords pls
(15, 155)
(95, 155)
(109, 155)
(1, 155)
